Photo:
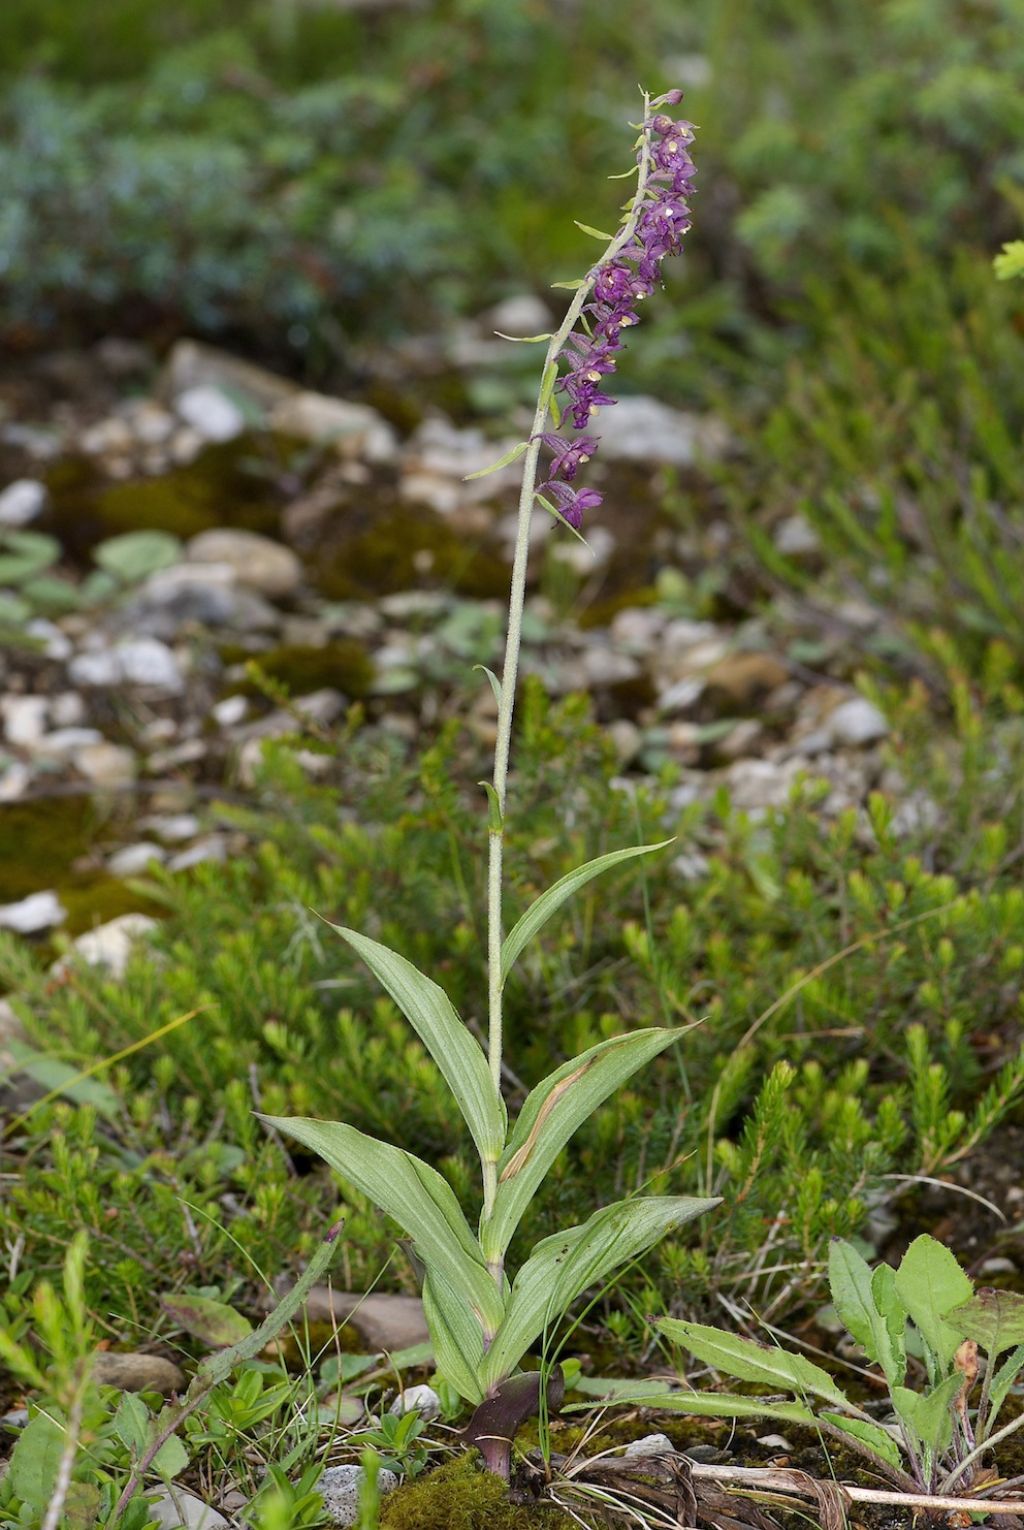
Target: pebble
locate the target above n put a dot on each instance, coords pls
(650, 1445)
(742, 679)
(106, 765)
(55, 643)
(212, 848)
(603, 666)
(355, 430)
(210, 413)
(109, 945)
(15, 780)
(130, 860)
(24, 719)
(758, 784)
(67, 709)
(204, 593)
(642, 429)
(421, 1399)
(23, 502)
(257, 562)
(172, 828)
(339, 1487)
(29, 916)
(857, 722)
(144, 661)
(134, 1372)
(522, 314)
(796, 538)
(230, 712)
(176, 1509)
(64, 743)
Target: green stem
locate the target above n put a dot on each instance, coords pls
(513, 636)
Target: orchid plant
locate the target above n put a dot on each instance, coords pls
(481, 1323)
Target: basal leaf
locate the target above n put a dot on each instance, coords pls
(930, 1283)
(458, 1055)
(214, 1323)
(929, 1414)
(35, 1461)
(563, 1266)
(872, 1435)
(415, 1195)
(1003, 1380)
(994, 1319)
(550, 1115)
(540, 911)
(457, 1356)
(510, 456)
(170, 1459)
(853, 1295)
(749, 1361)
(709, 1404)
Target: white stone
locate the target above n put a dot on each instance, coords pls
(857, 722)
(175, 1508)
(67, 709)
(422, 1400)
(173, 828)
(206, 593)
(56, 644)
(150, 423)
(522, 314)
(258, 562)
(774, 1441)
(109, 945)
(64, 743)
(130, 860)
(650, 1445)
(355, 430)
(603, 666)
(229, 712)
(584, 559)
(642, 429)
(22, 502)
(106, 765)
(212, 848)
(39, 911)
(339, 1487)
(758, 784)
(107, 438)
(637, 628)
(24, 719)
(133, 661)
(795, 537)
(15, 780)
(210, 413)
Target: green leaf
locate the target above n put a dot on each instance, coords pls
(929, 1415)
(55, 1075)
(415, 1195)
(136, 554)
(23, 554)
(894, 1314)
(1003, 1380)
(853, 1296)
(930, 1283)
(595, 233)
(131, 1423)
(509, 457)
(214, 1323)
(562, 1267)
(707, 1404)
(494, 681)
(873, 1435)
(522, 339)
(553, 510)
(81, 1506)
(572, 286)
(459, 1057)
(539, 912)
(994, 1319)
(495, 823)
(749, 1361)
(1010, 261)
(458, 1355)
(170, 1459)
(550, 1115)
(35, 1461)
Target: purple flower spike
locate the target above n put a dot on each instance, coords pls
(661, 222)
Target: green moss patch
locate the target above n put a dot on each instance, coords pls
(461, 1496)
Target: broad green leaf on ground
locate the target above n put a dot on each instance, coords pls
(60, 1077)
(458, 1352)
(458, 1055)
(131, 1423)
(611, 1388)
(170, 1459)
(550, 1115)
(930, 1283)
(929, 1414)
(81, 1506)
(994, 1319)
(539, 912)
(35, 1461)
(749, 1361)
(563, 1266)
(409, 1190)
(854, 1300)
(23, 554)
(214, 1323)
(894, 1314)
(708, 1404)
(135, 554)
(870, 1434)
(1003, 1380)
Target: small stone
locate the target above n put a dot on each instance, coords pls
(205, 593)
(192, 364)
(109, 945)
(681, 696)
(151, 424)
(189, 752)
(259, 563)
(355, 430)
(210, 413)
(998, 1266)
(144, 661)
(523, 314)
(230, 712)
(134, 1372)
(637, 628)
(29, 916)
(603, 666)
(55, 643)
(24, 719)
(650, 1445)
(23, 502)
(758, 784)
(106, 765)
(176, 1509)
(212, 848)
(172, 828)
(641, 429)
(627, 738)
(857, 722)
(741, 741)
(67, 709)
(15, 780)
(130, 860)
(107, 438)
(796, 538)
(63, 743)
(339, 1488)
(740, 680)
(691, 866)
(774, 1441)
(384, 1321)
(421, 1399)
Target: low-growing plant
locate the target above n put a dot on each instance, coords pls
(922, 1324)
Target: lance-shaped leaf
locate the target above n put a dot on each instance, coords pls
(563, 1266)
(456, 1338)
(539, 912)
(854, 1298)
(874, 1436)
(460, 1058)
(994, 1319)
(510, 456)
(749, 1361)
(706, 1404)
(1002, 1381)
(415, 1196)
(930, 1283)
(522, 339)
(550, 1115)
(929, 1415)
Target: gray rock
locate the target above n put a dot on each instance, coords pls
(339, 1487)
(109, 945)
(55, 643)
(210, 412)
(422, 1400)
(355, 430)
(176, 1509)
(522, 314)
(150, 423)
(603, 666)
(796, 538)
(211, 848)
(758, 784)
(15, 780)
(107, 438)
(135, 1372)
(384, 1321)
(857, 722)
(192, 364)
(172, 828)
(64, 743)
(130, 860)
(67, 709)
(30, 916)
(23, 502)
(108, 766)
(644, 429)
(230, 712)
(649, 1445)
(144, 661)
(259, 563)
(204, 593)
(24, 719)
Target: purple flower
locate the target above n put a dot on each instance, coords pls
(569, 455)
(571, 503)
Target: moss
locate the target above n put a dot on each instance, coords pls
(302, 668)
(380, 547)
(461, 1496)
(220, 488)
